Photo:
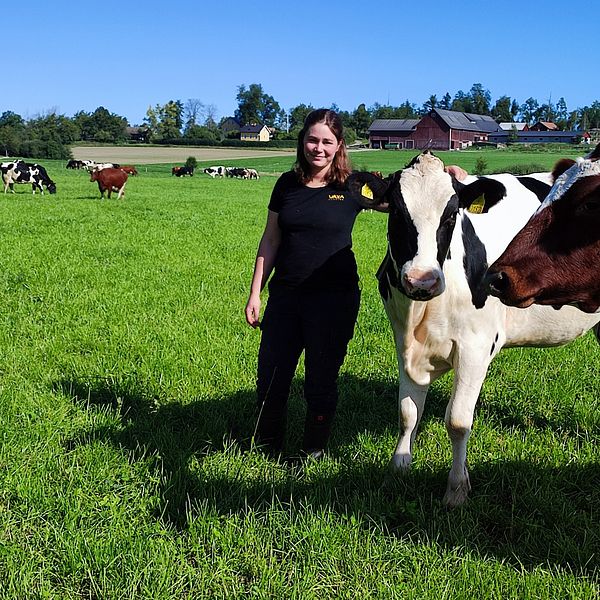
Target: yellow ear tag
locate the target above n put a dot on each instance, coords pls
(477, 205)
(366, 191)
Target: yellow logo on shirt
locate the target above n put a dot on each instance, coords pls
(336, 196)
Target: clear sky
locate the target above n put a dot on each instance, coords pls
(70, 56)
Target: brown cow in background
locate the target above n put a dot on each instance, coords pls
(110, 180)
(129, 169)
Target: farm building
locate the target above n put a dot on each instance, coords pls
(541, 137)
(392, 133)
(255, 133)
(439, 129)
(544, 126)
(138, 134)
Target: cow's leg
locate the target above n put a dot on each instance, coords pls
(411, 400)
(469, 374)
(121, 191)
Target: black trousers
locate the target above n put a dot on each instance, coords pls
(319, 322)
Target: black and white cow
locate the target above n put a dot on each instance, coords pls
(75, 164)
(22, 172)
(441, 236)
(215, 171)
(238, 172)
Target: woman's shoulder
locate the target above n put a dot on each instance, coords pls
(285, 182)
(289, 178)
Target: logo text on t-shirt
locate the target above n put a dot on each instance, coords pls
(336, 196)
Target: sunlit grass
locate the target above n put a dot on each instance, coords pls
(127, 408)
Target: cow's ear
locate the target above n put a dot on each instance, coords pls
(368, 188)
(561, 166)
(479, 196)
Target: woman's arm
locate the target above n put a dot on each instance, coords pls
(265, 259)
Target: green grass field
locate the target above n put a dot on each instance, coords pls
(127, 408)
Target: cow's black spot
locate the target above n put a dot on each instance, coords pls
(474, 263)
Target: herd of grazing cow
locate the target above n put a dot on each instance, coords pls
(448, 310)
(237, 172)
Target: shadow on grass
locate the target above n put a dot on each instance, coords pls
(522, 513)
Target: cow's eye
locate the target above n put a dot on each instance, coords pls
(590, 206)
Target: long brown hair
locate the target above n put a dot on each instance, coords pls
(340, 167)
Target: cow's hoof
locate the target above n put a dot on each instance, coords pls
(457, 495)
(400, 463)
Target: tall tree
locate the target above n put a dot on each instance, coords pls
(431, 103)
(462, 102)
(446, 102)
(255, 106)
(501, 110)
(514, 109)
(101, 125)
(480, 99)
(561, 114)
(193, 112)
(297, 115)
(12, 127)
(360, 120)
(528, 110)
(165, 121)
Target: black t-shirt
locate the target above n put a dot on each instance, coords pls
(316, 236)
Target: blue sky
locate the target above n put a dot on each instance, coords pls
(127, 56)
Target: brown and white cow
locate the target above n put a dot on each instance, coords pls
(555, 259)
(129, 169)
(110, 180)
(442, 234)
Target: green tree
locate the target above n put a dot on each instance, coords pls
(12, 127)
(47, 137)
(462, 102)
(297, 115)
(255, 106)
(360, 120)
(529, 110)
(100, 126)
(561, 114)
(446, 102)
(165, 121)
(480, 99)
(514, 109)
(430, 104)
(501, 110)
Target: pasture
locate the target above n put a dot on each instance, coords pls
(127, 411)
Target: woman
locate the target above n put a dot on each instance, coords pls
(313, 294)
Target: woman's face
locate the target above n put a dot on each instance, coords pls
(320, 146)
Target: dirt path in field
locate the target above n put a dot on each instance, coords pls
(143, 155)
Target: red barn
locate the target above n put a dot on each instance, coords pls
(440, 130)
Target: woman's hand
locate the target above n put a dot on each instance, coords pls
(253, 310)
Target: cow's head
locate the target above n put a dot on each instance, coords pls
(424, 201)
(51, 187)
(555, 258)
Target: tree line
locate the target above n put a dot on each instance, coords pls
(49, 136)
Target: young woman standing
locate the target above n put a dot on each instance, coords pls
(313, 294)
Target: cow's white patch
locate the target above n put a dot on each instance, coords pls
(582, 168)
